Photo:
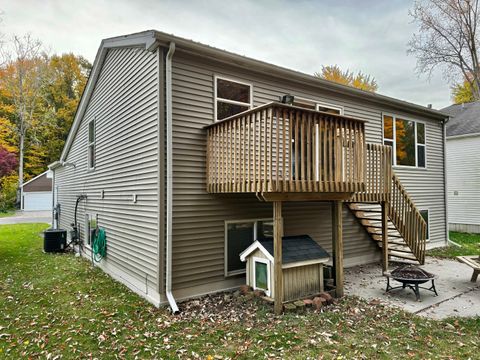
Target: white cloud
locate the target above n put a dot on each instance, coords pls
(362, 35)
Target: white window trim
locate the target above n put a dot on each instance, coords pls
(93, 143)
(330, 106)
(428, 222)
(263, 261)
(225, 253)
(234, 80)
(394, 147)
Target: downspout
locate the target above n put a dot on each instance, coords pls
(169, 210)
(54, 223)
(447, 230)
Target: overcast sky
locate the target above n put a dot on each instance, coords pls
(366, 35)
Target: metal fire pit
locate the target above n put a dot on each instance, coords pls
(411, 276)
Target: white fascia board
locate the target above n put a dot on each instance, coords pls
(453, 137)
(255, 245)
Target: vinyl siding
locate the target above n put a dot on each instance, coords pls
(124, 105)
(198, 219)
(463, 170)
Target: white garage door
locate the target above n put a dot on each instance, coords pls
(37, 201)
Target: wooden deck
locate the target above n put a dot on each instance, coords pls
(280, 148)
(286, 153)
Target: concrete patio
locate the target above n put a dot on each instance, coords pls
(457, 295)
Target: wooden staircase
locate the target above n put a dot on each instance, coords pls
(406, 228)
(370, 217)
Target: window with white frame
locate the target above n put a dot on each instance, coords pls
(91, 145)
(238, 236)
(407, 139)
(425, 215)
(261, 275)
(231, 97)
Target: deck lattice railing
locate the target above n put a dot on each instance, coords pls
(282, 148)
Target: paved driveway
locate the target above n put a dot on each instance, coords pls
(28, 217)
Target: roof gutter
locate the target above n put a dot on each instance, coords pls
(169, 159)
(293, 75)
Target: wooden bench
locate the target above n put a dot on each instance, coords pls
(472, 261)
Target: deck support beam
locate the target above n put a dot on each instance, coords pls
(384, 205)
(277, 256)
(337, 246)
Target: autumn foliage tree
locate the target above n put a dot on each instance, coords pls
(8, 162)
(22, 78)
(39, 95)
(357, 80)
(462, 93)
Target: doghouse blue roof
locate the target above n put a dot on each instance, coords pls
(294, 249)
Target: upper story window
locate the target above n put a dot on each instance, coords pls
(91, 145)
(319, 106)
(407, 138)
(231, 97)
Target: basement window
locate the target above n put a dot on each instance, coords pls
(407, 138)
(231, 97)
(91, 145)
(239, 235)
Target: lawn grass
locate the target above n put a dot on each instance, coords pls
(59, 305)
(7, 213)
(469, 245)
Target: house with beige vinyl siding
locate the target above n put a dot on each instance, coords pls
(187, 154)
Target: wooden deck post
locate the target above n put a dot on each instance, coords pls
(384, 236)
(277, 256)
(337, 237)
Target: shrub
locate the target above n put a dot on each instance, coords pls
(8, 192)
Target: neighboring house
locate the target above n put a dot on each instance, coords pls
(463, 167)
(36, 194)
(182, 184)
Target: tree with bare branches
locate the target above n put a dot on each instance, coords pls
(22, 77)
(447, 39)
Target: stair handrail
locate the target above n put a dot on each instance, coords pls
(407, 219)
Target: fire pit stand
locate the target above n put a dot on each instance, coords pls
(412, 277)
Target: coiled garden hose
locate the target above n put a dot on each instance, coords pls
(99, 245)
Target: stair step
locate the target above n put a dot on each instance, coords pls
(402, 255)
(367, 224)
(398, 248)
(378, 231)
(401, 261)
(365, 209)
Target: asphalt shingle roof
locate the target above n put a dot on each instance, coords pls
(296, 248)
(464, 118)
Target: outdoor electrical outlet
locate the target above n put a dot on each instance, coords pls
(134, 198)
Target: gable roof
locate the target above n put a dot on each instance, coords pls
(464, 119)
(294, 249)
(151, 39)
(46, 172)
